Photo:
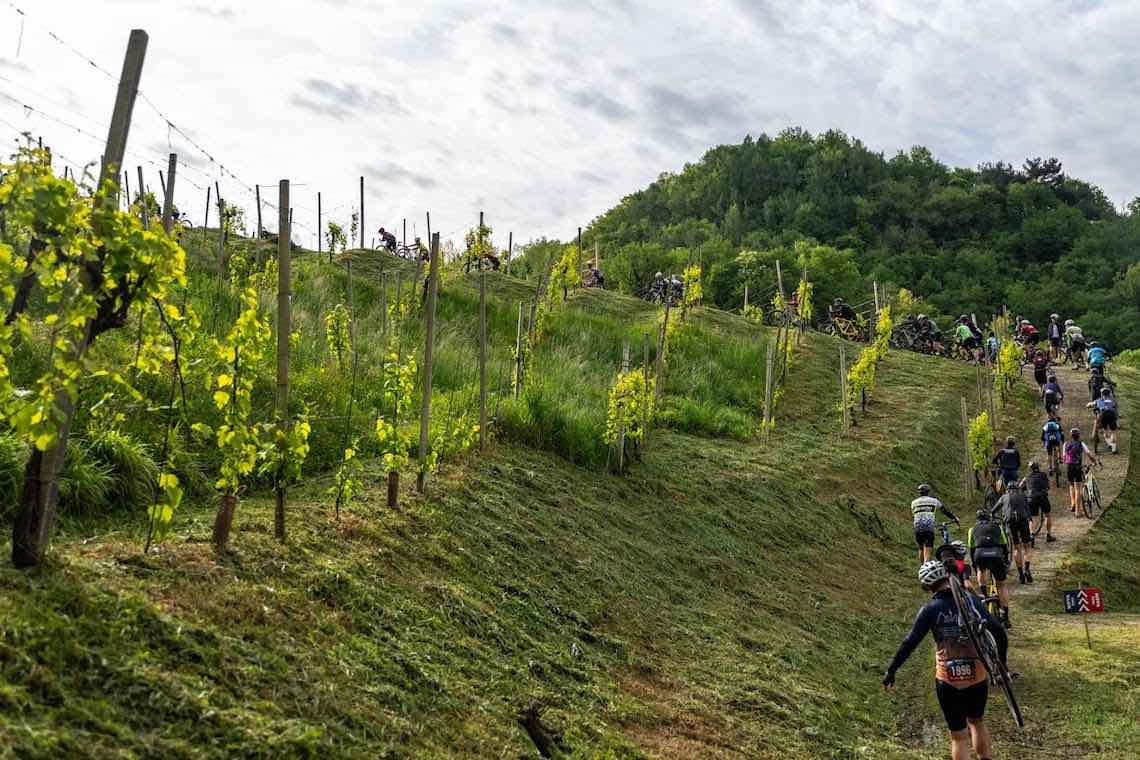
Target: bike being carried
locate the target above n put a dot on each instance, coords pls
(666, 290)
(842, 321)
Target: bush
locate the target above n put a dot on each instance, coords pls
(86, 485)
(13, 457)
(131, 465)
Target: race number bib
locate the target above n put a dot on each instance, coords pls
(961, 670)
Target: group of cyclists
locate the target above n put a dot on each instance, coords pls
(1014, 511)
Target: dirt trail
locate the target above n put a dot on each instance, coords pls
(1067, 527)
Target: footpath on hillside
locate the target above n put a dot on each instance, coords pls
(1068, 528)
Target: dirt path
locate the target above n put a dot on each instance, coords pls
(1067, 527)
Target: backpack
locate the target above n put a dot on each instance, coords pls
(987, 535)
(1053, 432)
(1017, 508)
(1074, 452)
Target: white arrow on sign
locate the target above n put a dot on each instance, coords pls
(1082, 601)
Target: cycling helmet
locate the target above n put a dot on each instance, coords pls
(982, 515)
(837, 301)
(921, 317)
(1011, 485)
(659, 275)
(924, 489)
(931, 573)
(1054, 316)
(1069, 323)
(1075, 433)
(1010, 442)
(1034, 467)
(959, 549)
(1052, 378)
(964, 318)
(1106, 392)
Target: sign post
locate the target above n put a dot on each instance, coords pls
(1084, 601)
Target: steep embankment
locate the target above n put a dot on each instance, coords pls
(726, 598)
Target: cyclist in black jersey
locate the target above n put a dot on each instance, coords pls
(960, 678)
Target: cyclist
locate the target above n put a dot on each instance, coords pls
(420, 250)
(1055, 331)
(1040, 366)
(1097, 381)
(991, 348)
(1053, 395)
(989, 553)
(1106, 419)
(1027, 333)
(1053, 438)
(840, 309)
(1075, 452)
(1016, 516)
(1008, 461)
(388, 240)
(924, 508)
(960, 679)
(966, 340)
(1075, 340)
(1037, 484)
(593, 278)
(1097, 356)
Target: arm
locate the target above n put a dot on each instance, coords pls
(918, 630)
(947, 512)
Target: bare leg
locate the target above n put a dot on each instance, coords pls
(980, 736)
(959, 745)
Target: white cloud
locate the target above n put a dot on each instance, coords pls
(551, 112)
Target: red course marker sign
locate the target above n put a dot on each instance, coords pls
(1083, 601)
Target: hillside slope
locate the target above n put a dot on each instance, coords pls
(726, 598)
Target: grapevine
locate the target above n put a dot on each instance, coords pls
(981, 439)
(631, 406)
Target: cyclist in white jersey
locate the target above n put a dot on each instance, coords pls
(924, 508)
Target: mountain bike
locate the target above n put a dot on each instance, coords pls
(1090, 494)
(986, 647)
(1055, 464)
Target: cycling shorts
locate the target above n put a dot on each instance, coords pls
(924, 536)
(1041, 375)
(962, 705)
(1107, 420)
(1076, 472)
(970, 344)
(1052, 444)
(995, 565)
(1055, 342)
(1040, 505)
(1019, 532)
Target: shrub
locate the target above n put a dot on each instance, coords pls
(130, 464)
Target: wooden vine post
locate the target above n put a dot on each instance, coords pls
(429, 341)
(223, 262)
(362, 211)
(143, 207)
(843, 400)
(621, 415)
(510, 249)
(518, 353)
(206, 219)
(766, 427)
(284, 328)
(645, 397)
(168, 200)
(746, 296)
(319, 227)
(257, 193)
(659, 369)
(968, 467)
(482, 360)
(39, 494)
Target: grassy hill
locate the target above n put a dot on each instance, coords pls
(727, 597)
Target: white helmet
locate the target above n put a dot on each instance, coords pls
(931, 572)
(1069, 323)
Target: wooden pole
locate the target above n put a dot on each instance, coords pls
(257, 193)
(35, 511)
(405, 232)
(968, 467)
(206, 218)
(319, 231)
(162, 183)
(284, 328)
(510, 250)
(168, 191)
(518, 353)
(621, 420)
(127, 184)
(362, 211)
(143, 203)
(746, 296)
(769, 366)
(659, 369)
(429, 341)
(597, 255)
(223, 262)
(843, 388)
(482, 360)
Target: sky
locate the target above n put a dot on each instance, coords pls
(545, 114)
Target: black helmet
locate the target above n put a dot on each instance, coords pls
(1075, 433)
(964, 318)
(837, 301)
(924, 489)
(1010, 442)
(1052, 378)
(1106, 391)
(983, 515)
(1034, 467)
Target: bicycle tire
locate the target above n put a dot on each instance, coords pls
(999, 674)
(1086, 501)
(1094, 492)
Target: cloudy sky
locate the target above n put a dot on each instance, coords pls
(544, 114)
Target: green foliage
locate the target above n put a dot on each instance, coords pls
(398, 383)
(130, 463)
(337, 334)
(1007, 368)
(564, 276)
(981, 439)
(861, 375)
(753, 314)
(477, 242)
(962, 240)
(631, 406)
(335, 239)
(804, 303)
(691, 283)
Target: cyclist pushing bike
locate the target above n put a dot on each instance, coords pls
(1106, 419)
(1040, 510)
(1075, 452)
(1055, 332)
(1016, 515)
(924, 508)
(961, 679)
(1008, 461)
(1052, 395)
(989, 553)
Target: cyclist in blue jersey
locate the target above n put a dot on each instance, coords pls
(1106, 420)
(961, 681)
(1053, 439)
(1008, 461)
(1097, 355)
(1052, 394)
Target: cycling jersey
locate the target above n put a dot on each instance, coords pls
(1014, 507)
(1075, 335)
(1009, 462)
(987, 540)
(1106, 405)
(923, 509)
(963, 333)
(955, 660)
(1097, 357)
(1037, 484)
(1052, 435)
(1075, 452)
(1054, 332)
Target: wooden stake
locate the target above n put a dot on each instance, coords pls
(143, 202)
(168, 192)
(257, 193)
(746, 296)
(162, 183)
(510, 250)
(223, 262)
(518, 353)
(362, 211)
(482, 360)
(621, 420)
(659, 370)
(429, 341)
(206, 219)
(319, 230)
(284, 328)
(36, 507)
(127, 183)
(968, 467)
(843, 388)
(405, 232)
(769, 366)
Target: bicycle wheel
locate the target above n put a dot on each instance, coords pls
(999, 675)
(1086, 500)
(1094, 495)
